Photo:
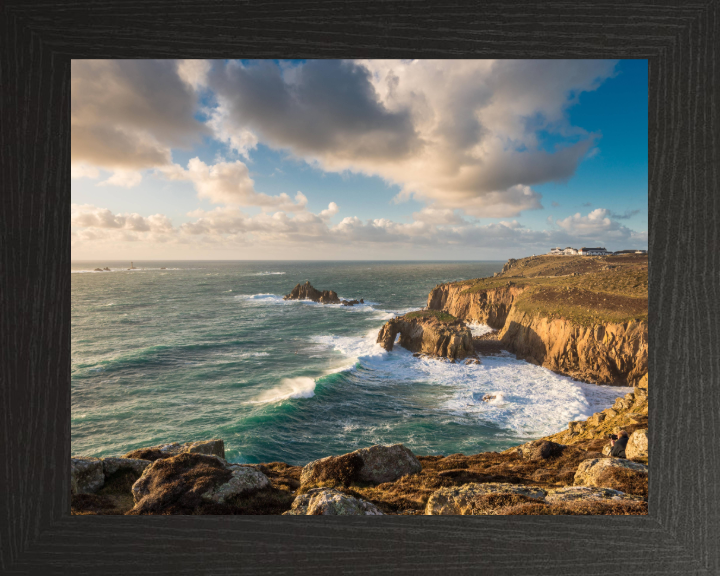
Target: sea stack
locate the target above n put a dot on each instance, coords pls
(429, 332)
(307, 292)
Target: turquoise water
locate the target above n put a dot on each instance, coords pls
(209, 349)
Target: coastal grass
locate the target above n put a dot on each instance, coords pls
(439, 314)
(583, 290)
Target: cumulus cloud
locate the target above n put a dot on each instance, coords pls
(129, 114)
(124, 178)
(316, 108)
(459, 134)
(229, 183)
(229, 226)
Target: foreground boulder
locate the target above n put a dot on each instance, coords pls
(329, 502)
(616, 473)
(192, 483)
(374, 465)
(637, 446)
(429, 332)
(480, 499)
(215, 447)
(86, 475)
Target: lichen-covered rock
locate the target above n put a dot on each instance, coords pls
(375, 465)
(479, 499)
(86, 475)
(244, 480)
(590, 472)
(214, 447)
(329, 502)
(186, 483)
(113, 465)
(637, 446)
(570, 493)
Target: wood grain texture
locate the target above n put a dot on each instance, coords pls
(681, 42)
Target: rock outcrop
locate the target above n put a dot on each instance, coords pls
(215, 447)
(307, 292)
(86, 475)
(597, 471)
(190, 483)
(428, 334)
(112, 466)
(329, 502)
(479, 499)
(373, 465)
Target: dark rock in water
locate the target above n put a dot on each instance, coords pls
(98, 270)
(163, 268)
(470, 361)
(362, 301)
(488, 397)
(106, 269)
(307, 292)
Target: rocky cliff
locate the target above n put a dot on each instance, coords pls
(427, 333)
(582, 318)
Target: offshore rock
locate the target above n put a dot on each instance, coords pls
(374, 465)
(480, 499)
(428, 335)
(329, 502)
(307, 292)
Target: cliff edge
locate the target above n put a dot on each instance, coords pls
(580, 316)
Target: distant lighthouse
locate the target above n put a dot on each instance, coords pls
(132, 266)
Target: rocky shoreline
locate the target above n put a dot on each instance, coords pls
(568, 473)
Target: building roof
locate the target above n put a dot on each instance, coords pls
(593, 249)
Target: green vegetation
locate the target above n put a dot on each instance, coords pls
(584, 290)
(440, 315)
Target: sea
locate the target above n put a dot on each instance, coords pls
(179, 351)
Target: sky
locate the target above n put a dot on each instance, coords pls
(356, 159)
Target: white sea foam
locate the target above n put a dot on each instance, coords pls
(288, 388)
(274, 299)
(265, 274)
(479, 329)
(120, 270)
(531, 401)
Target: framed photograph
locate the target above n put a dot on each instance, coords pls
(387, 277)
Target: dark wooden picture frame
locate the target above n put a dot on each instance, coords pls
(681, 42)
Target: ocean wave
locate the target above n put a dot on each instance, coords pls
(274, 299)
(288, 389)
(478, 329)
(265, 274)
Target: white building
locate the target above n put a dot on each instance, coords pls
(570, 251)
(556, 251)
(593, 252)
